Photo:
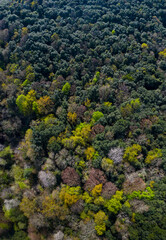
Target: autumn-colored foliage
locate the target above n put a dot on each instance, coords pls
(28, 206)
(70, 195)
(131, 153)
(82, 120)
(153, 154)
(70, 177)
(95, 177)
(90, 152)
(100, 219)
(72, 117)
(51, 208)
(44, 105)
(96, 191)
(108, 190)
(133, 184)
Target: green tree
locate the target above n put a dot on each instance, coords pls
(97, 115)
(66, 88)
(25, 103)
(114, 204)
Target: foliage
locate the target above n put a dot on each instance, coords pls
(96, 77)
(47, 179)
(87, 198)
(70, 195)
(44, 105)
(116, 154)
(96, 191)
(66, 177)
(20, 235)
(147, 194)
(6, 153)
(51, 208)
(53, 145)
(114, 204)
(26, 103)
(130, 107)
(18, 174)
(90, 152)
(82, 119)
(95, 177)
(72, 117)
(131, 153)
(144, 45)
(107, 164)
(66, 88)
(97, 115)
(163, 53)
(152, 155)
(109, 189)
(81, 136)
(100, 219)
(28, 206)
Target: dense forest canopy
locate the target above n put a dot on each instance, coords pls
(82, 119)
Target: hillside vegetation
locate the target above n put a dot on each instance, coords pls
(83, 120)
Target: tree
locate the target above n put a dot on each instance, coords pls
(152, 155)
(70, 177)
(114, 204)
(72, 117)
(163, 53)
(66, 88)
(116, 154)
(22, 104)
(81, 136)
(97, 115)
(108, 190)
(47, 179)
(129, 108)
(107, 165)
(131, 153)
(144, 46)
(133, 184)
(70, 195)
(53, 145)
(24, 31)
(96, 77)
(95, 177)
(100, 219)
(96, 191)
(26, 103)
(52, 208)
(28, 206)
(90, 153)
(45, 105)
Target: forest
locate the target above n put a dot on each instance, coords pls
(82, 119)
